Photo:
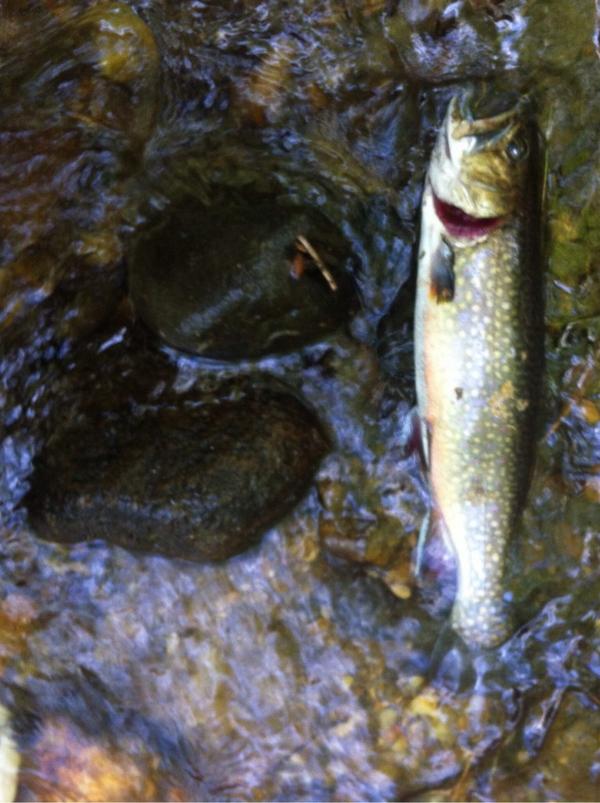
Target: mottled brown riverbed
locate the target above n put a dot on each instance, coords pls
(309, 667)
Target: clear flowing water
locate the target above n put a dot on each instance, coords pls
(310, 667)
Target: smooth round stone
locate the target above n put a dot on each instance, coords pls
(228, 282)
(201, 482)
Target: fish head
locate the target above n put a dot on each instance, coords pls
(481, 161)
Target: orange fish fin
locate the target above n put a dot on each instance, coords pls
(416, 438)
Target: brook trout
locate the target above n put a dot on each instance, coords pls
(479, 344)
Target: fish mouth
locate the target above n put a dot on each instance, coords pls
(461, 225)
(488, 115)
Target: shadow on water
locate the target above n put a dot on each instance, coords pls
(311, 666)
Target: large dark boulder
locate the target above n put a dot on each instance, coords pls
(194, 480)
(232, 280)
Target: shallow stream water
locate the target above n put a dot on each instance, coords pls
(310, 667)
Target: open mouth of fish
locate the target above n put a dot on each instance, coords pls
(460, 224)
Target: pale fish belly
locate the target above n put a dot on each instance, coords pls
(477, 359)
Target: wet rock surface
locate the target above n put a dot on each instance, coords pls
(234, 280)
(200, 481)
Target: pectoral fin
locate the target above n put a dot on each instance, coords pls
(416, 438)
(442, 273)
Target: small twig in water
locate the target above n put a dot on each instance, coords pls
(303, 245)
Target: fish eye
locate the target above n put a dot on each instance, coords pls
(517, 149)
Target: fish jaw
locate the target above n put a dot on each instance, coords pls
(471, 169)
(461, 226)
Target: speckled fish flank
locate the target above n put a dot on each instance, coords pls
(479, 345)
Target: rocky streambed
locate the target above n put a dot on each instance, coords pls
(208, 222)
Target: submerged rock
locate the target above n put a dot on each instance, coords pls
(195, 481)
(243, 278)
(394, 343)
